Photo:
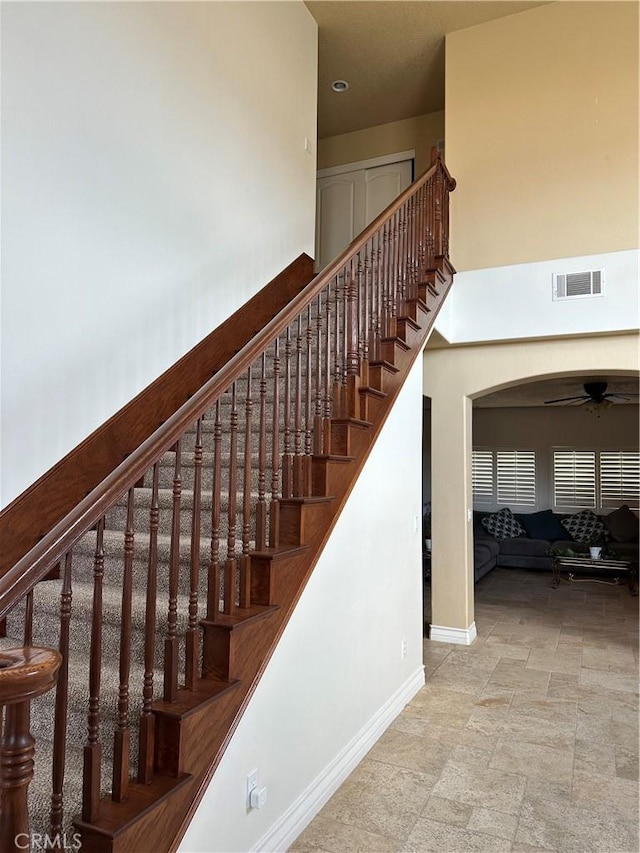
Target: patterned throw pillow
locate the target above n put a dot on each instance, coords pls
(583, 526)
(503, 525)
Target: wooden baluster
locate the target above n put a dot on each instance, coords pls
(93, 746)
(386, 277)
(318, 436)
(171, 640)
(421, 201)
(298, 459)
(24, 674)
(394, 272)
(214, 580)
(147, 718)
(417, 241)
(28, 620)
(245, 562)
(438, 236)
(376, 296)
(60, 714)
(422, 231)
(352, 358)
(402, 303)
(337, 349)
(287, 457)
(261, 503)
(309, 397)
(397, 279)
(445, 217)
(413, 248)
(430, 227)
(230, 565)
(122, 734)
(347, 275)
(351, 321)
(274, 508)
(192, 635)
(364, 288)
(28, 637)
(409, 251)
(326, 438)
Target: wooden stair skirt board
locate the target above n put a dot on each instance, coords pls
(189, 736)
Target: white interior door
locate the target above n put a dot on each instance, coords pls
(347, 202)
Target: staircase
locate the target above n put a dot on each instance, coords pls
(166, 589)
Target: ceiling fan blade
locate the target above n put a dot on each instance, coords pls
(567, 399)
(624, 396)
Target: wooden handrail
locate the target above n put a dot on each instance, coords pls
(35, 565)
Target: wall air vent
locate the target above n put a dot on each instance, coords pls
(575, 285)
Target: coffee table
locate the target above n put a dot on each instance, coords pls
(609, 568)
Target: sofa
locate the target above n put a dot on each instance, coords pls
(542, 533)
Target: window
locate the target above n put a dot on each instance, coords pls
(574, 478)
(596, 479)
(619, 478)
(504, 477)
(516, 477)
(482, 476)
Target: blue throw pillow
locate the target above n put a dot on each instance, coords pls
(543, 525)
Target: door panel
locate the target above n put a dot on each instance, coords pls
(338, 214)
(348, 202)
(382, 185)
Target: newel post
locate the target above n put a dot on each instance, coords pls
(24, 674)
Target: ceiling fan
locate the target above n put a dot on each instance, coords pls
(595, 392)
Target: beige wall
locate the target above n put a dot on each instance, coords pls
(420, 133)
(453, 376)
(542, 134)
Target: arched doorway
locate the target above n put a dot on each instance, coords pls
(453, 378)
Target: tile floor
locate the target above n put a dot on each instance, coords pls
(525, 741)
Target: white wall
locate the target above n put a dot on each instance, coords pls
(337, 676)
(542, 429)
(154, 178)
(513, 302)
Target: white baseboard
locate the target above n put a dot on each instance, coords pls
(289, 826)
(460, 636)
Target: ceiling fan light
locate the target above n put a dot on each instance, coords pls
(597, 407)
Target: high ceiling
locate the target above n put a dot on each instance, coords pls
(391, 52)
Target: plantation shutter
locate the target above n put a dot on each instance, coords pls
(619, 478)
(516, 477)
(482, 476)
(574, 478)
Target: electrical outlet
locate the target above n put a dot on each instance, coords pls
(403, 649)
(259, 798)
(252, 784)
